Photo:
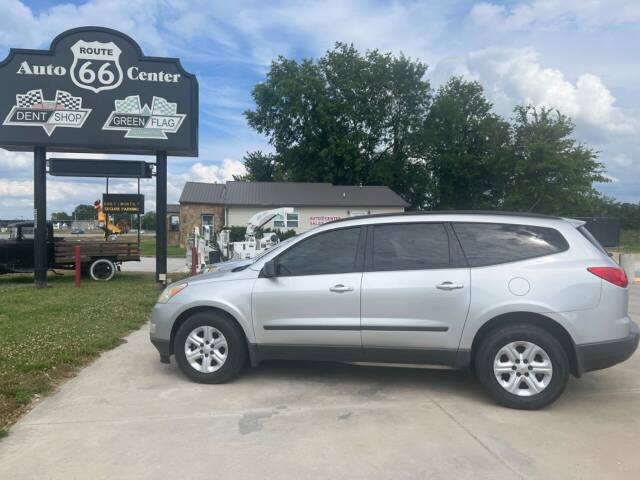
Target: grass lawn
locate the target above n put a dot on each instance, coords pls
(629, 241)
(148, 248)
(46, 335)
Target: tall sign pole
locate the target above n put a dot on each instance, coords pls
(161, 217)
(94, 91)
(40, 216)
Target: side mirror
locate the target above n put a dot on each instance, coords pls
(269, 269)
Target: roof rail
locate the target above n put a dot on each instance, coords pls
(450, 212)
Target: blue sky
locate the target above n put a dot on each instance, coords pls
(576, 55)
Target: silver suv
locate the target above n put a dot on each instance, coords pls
(522, 300)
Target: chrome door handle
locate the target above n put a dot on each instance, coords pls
(449, 286)
(340, 288)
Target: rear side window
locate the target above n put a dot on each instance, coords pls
(493, 243)
(335, 251)
(415, 246)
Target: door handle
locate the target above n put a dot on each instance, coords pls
(340, 288)
(449, 286)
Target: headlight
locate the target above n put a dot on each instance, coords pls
(171, 291)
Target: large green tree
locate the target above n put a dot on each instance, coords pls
(260, 167)
(550, 171)
(84, 212)
(347, 119)
(467, 146)
(373, 119)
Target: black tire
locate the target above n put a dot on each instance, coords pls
(521, 332)
(102, 270)
(236, 347)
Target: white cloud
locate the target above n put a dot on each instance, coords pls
(588, 14)
(15, 188)
(513, 76)
(14, 161)
(213, 173)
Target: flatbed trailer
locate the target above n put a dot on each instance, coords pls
(98, 258)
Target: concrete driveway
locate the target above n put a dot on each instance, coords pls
(129, 417)
(148, 264)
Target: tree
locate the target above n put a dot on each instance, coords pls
(347, 119)
(467, 148)
(60, 217)
(149, 221)
(551, 172)
(84, 212)
(260, 167)
(372, 119)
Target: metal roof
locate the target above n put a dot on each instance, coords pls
(173, 208)
(294, 194)
(195, 192)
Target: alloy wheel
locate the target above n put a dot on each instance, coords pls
(206, 349)
(523, 368)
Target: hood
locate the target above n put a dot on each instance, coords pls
(221, 276)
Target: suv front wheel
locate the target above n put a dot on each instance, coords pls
(522, 366)
(209, 348)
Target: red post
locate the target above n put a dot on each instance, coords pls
(194, 260)
(77, 255)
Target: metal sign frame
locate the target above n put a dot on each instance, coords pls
(75, 167)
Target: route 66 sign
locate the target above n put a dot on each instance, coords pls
(96, 65)
(95, 91)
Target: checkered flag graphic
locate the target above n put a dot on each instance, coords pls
(68, 101)
(161, 107)
(33, 98)
(128, 105)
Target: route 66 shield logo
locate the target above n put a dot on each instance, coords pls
(96, 65)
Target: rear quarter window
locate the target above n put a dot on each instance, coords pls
(589, 236)
(494, 243)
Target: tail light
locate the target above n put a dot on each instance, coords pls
(615, 275)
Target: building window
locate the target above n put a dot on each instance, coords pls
(174, 223)
(207, 220)
(292, 221)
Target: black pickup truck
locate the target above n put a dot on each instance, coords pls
(99, 258)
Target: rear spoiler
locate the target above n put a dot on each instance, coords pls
(574, 222)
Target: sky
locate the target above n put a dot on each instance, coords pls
(580, 56)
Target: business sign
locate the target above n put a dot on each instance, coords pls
(122, 203)
(322, 219)
(94, 91)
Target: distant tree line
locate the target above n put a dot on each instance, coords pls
(374, 119)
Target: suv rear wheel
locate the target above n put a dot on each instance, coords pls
(209, 348)
(522, 366)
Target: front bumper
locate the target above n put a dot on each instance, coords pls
(162, 318)
(164, 349)
(599, 355)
